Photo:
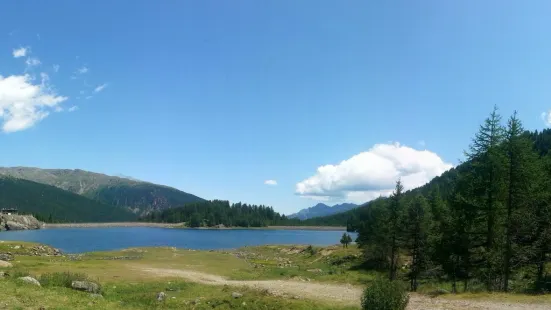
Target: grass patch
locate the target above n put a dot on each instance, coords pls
(62, 279)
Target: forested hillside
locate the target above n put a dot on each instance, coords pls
(486, 223)
(49, 203)
(137, 196)
(219, 212)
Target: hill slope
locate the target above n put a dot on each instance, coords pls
(45, 202)
(138, 196)
(322, 209)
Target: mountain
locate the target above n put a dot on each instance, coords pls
(322, 209)
(49, 203)
(137, 196)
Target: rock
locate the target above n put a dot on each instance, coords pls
(236, 295)
(85, 286)
(317, 270)
(244, 304)
(5, 264)
(3, 274)
(6, 256)
(19, 222)
(161, 296)
(30, 280)
(96, 296)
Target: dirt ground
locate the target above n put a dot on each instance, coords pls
(341, 293)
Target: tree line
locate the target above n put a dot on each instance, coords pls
(220, 212)
(485, 223)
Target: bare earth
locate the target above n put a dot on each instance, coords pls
(346, 293)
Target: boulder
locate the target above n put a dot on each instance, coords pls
(5, 264)
(85, 286)
(30, 280)
(236, 295)
(6, 256)
(161, 296)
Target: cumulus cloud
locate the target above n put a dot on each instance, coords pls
(100, 88)
(73, 108)
(270, 182)
(19, 52)
(56, 68)
(373, 173)
(24, 102)
(82, 70)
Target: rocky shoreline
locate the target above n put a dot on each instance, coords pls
(19, 222)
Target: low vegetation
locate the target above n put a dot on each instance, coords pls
(384, 294)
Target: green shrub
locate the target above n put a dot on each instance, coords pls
(310, 250)
(17, 273)
(61, 279)
(383, 294)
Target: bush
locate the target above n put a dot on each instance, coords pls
(61, 279)
(383, 294)
(310, 250)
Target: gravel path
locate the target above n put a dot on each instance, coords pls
(345, 293)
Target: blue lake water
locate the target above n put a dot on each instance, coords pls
(78, 240)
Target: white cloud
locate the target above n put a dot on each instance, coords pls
(546, 117)
(89, 97)
(270, 182)
(73, 108)
(23, 103)
(56, 68)
(100, 88)
(82, 70)
(32, 61)
(373, 173)
(19, 52)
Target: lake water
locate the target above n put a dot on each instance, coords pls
(78, 240)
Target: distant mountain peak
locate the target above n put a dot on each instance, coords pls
(321, 209)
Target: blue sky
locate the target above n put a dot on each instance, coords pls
(217, 97)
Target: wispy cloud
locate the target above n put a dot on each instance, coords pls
(89, 97)
(32, 61)
(73, 108)
(19, 52)
(82, 70)
(270, 182)
(100, 88)
(56, 68)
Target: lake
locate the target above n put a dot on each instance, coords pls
(78, 240)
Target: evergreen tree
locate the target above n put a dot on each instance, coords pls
(345, 240)
(522, 186)
(195, 220)
(487, 171)
(416, 228)
(395, 209)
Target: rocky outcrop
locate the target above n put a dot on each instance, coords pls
(18, 222)
(86, 286)
(30, 280)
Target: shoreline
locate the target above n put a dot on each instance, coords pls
(181, 226)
